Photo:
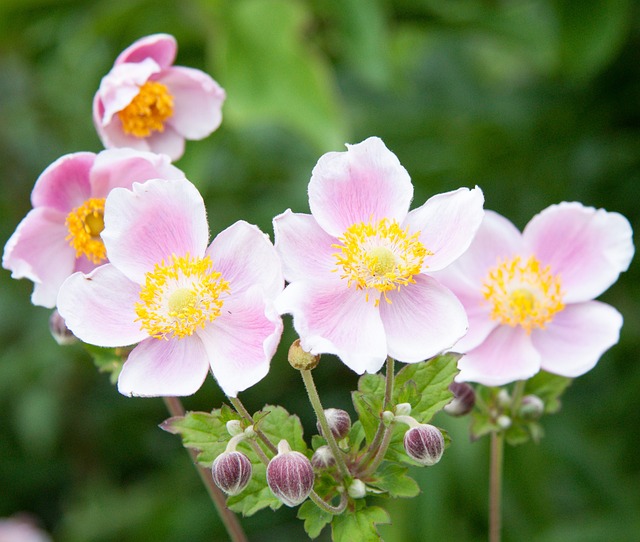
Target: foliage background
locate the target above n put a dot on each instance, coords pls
(536, 101)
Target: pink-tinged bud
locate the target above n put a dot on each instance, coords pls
(59, 330)
(231, 471)
(424, 443)
(464, 399)
(531, 408)
(339, 422)
(290, 475)
(323, 458)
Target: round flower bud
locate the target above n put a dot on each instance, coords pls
(234, 427)
(322, 458)
(357, 489)
(301, 359)
(532, 407)
(504, 422)
(464, 399)
(403, 409)
(290, 475)
(231, 471)
(59, 330)
(424, 443)
(339, 422)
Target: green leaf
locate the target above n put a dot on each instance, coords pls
(482, 424)
(277, 424)
(393, 479)
(314, 518)
(431, 379)
(367, 400)
(359, 526)
(356, 436)
(549, 388)
(108, 360)
(257, 494)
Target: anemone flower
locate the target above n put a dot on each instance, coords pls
(529, 297)
(146, 103)
(359, 265)
(61, 234)
(188, 307)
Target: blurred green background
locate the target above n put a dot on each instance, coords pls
(534, 101)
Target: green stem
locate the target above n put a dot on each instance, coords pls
(323, 505)
(229, 519)
(314, 398)
(495, 486)
(517, 395)
(240, 409)
(380, 452)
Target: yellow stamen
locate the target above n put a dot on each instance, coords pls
(523, 293)
(85, 223)
(147, 112)
(180, 297)
(380, 256)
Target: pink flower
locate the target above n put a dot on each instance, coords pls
(358, 265)
(61, 234)
(190, 307)
(529, 296)
(146, 103)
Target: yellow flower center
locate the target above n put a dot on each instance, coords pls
(523, 293)
(180, 297)
(380, 256)
(85, 223)
(147, 112)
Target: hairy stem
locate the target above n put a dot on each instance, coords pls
(229, 519)
(323, 505)
(240, 409)
(495, 486)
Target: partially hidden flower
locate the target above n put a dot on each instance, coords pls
(21, 528)
(147, 103)
(359, 265)
(529, 296)
(189, 306)
(61, 234)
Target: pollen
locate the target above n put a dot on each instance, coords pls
(84, 224)
(148, 111)
(523, 293)
(379, 257)
(180, 297)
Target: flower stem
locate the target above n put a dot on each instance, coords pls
(314, 398)
(516, 396)
(229, 519)
(495, 486)
(240, 409)
(323, 505)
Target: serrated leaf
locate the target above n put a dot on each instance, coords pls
(431, 379)
(205, 432)
(108, 360)
(359, 526)
(367, 400)
(277, 424)
(549, 388)
(393, 479)
(356, 436)
(314, 518)
(257, 494)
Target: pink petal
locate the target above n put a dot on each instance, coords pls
(422, 320)
(573, 342)
(505, 356)
(100, 307)
(148, 224)
(64, 185)
(242, 340)
(364, 183)
(197, 101)
(160, 47)
(115, 168)
(304, 247)
(168, 142)
(158, 367)
(588, 248)
(448, 223)
(245, 257)
(480, 323)
(37, 250)
(336, 321)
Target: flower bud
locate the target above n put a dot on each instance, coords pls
(339, 422)
(464, 399)
(323, 458)
(231, 471)
(403, 409)
(301, 359)
(357, 489)
(424, 443)
(290, 475)
(234, 427)
(504, 422)
(531, 408)
(59, 330)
